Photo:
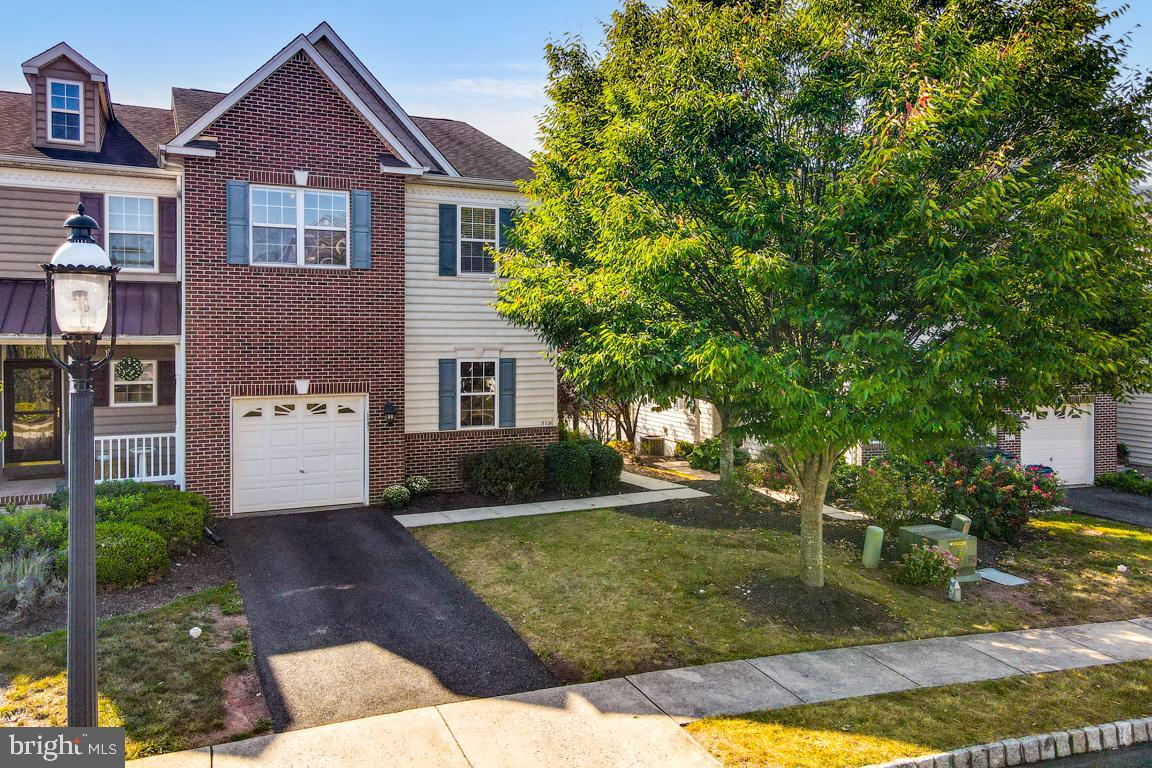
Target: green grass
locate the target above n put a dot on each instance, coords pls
(163, 687)
(876, 729)
(604, 593)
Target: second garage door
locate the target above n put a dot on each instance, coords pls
(298, 452)
(1061, 442)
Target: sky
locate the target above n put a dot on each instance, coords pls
(438, 58)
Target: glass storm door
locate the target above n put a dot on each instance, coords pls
(31, 411)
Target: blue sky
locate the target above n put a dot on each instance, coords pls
(440, 58)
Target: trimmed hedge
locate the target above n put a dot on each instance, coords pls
(569, 468)
(509, 473)
(604, 466)
(126, 555)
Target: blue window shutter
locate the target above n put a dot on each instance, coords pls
(237, 222)
(447, 239)
(505, 226)
(361, 229)
(507, 391)
(447, 393)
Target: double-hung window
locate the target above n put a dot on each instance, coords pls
(65, 111)
(477, 237)
(477, 393)
(136, 392)
(132, 232)
(301, 227)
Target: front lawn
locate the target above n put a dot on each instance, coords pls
(169, 691)
(606, 593)
(876, 729)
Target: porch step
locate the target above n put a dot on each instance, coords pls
(34, 471)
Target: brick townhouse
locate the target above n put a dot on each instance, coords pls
(306, 286)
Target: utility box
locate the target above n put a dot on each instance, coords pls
(962, 545)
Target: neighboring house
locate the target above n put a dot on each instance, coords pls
(685, 420)
(1134, 417)
(305, 279)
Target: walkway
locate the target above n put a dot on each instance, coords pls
(633, 721)
(655, 490)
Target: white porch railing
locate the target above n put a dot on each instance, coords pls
(149, 457)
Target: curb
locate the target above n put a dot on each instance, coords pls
(1035, 749)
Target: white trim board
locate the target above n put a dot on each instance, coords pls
(298, 45)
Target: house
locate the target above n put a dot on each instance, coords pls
(304, 302)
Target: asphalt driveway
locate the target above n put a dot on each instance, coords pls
(351, 617)
(1112, 505)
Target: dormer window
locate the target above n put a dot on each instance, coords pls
(66, 111)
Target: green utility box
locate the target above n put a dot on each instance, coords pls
(962, 545)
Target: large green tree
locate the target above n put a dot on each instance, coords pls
(842, 219)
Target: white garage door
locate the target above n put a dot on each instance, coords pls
(297, 452)
(1062, 442)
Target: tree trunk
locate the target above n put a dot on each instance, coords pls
(727, 457)
(810, 474)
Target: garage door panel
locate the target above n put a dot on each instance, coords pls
(1062, 442)
(323, 436)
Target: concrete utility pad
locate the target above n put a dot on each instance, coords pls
(1122, 640)
(840, 673)
(727, 688)
(938, 661)
(596, 725)
(417, 738)
(1036, 650)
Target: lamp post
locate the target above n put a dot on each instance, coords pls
(81, 286)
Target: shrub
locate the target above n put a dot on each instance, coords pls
(126, 555)
(683, 449)
(417, 485)
(706, 456)
(926, 565)
(1123, 454)
(31, 529)
(1128, 482)
(396, 496)
(999, 495)
(28, 580)
(568, 468)
(114, 508)
(179, 517)
(604, 466)
(768, 474)
(509, 473)
(882, 494)
(845, 481)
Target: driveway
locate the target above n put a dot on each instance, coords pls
(351, 617)
(1113, 505)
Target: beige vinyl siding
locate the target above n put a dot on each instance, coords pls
(452, 317)
(32, 228)
(678, 423)
(1134, 428)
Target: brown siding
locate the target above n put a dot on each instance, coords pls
(63, 69)
(129, 421)
(31, 229)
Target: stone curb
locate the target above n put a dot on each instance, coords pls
(1035, 749)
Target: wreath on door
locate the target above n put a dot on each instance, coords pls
(129, 369)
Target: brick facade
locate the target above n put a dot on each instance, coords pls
(438, 455)
(265, 326)
(1103, 435)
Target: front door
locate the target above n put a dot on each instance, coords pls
(31, 411)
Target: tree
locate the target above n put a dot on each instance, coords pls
(843, 220)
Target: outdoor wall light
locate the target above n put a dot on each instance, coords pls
(389, 411)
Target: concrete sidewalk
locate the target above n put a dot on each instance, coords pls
(654, 490)
(632, 722)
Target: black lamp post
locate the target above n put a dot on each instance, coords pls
(81, 288)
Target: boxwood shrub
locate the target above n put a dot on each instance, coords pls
(32, 529)
(569, 468)
(604, 466)
(126, 555)
(178, 517)
(509, 473)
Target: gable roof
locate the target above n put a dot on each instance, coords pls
(473, 152)
(299, 45)
(33, 65)
(131, 136)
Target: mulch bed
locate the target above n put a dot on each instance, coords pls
(206, 567)
(827, 610)
(444, 501)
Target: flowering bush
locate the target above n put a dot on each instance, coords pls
(766, 474)
(999, 495)
(396, 496)
(927, 565)
(417, 485)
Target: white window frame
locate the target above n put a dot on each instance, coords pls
(113, 382)
(155, 233)
(78, 112)
(460, 395)
(460, 271)
(300, 228)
